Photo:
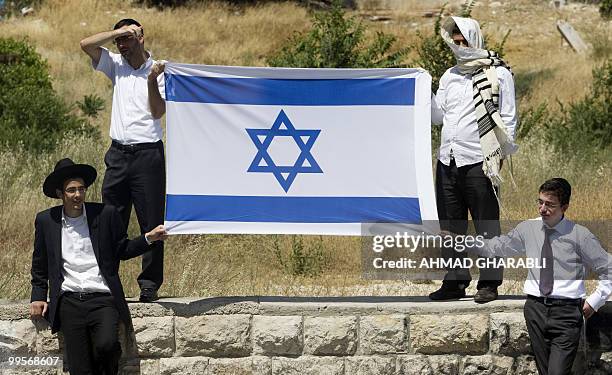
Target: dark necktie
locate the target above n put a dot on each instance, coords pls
(546, 274)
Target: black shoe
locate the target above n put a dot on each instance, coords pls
(446, 293)
(486, 294)
(148, 295)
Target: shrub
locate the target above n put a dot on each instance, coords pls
(585, 124)
(338, 41)
(31, 113)
(301, 260)
(605, 9)
(91, 105)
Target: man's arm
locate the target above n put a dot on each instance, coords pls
(437, 115)
(40, 273)
(437, 101)
(93, 45)
(598, 259)
(156, 102)
(507, 101)
(506, 245)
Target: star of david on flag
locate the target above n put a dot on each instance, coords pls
(296, 151)
(304, 139)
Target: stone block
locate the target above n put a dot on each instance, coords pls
(149, 367)
(46, 342)
(277, 335)
(154, 336)
(183, 366)
(194, 306)
(366, 365)
(445, 364)
(413, 365)
(333, 335)
(144, 310)
(487, 364)
(509, 334)
(17, 338)
(227, 366)
(449, 334)
(10, 310)
(383, 334)
(525, 365)
(30, 371)
(262, 365)
(308, 365)
(213, 335)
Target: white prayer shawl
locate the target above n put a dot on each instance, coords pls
(480, 63)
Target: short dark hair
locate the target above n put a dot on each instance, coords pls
(126, 22)
(559, 187)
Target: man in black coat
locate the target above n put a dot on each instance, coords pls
(77, 249)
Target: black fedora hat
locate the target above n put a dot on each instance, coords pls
(64, 169)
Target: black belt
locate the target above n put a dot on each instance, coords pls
(136, 146)
(84, 296)
(549, 301)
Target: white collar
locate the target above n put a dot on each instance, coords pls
(561, 227)
(71, 221)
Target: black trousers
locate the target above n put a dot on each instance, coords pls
(554, 332)
(137, 175)
(459, 190)
(90, 328)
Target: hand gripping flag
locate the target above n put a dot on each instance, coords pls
(304, 151)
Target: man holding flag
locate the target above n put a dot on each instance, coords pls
(135, 165)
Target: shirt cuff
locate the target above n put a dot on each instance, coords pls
(595, 301)
(147, 240)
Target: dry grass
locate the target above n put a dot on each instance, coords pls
(218, 34)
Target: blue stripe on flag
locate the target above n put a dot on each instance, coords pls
(292, 209)
(304, 92)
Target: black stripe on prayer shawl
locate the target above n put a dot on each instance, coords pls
(484, 79)
(490, 107)
(485, 125)
(485, 117)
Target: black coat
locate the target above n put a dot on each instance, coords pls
(110, 244)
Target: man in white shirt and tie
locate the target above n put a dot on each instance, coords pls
(556, 295)
(476, 105)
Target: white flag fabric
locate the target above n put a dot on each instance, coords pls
(296, 151)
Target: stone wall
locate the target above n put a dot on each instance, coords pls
(352, 335)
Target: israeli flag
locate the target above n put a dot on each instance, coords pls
(296, 151)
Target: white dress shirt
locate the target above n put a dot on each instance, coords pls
(453, 106)
(79, 265)
(574, 248)
(131, 119)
